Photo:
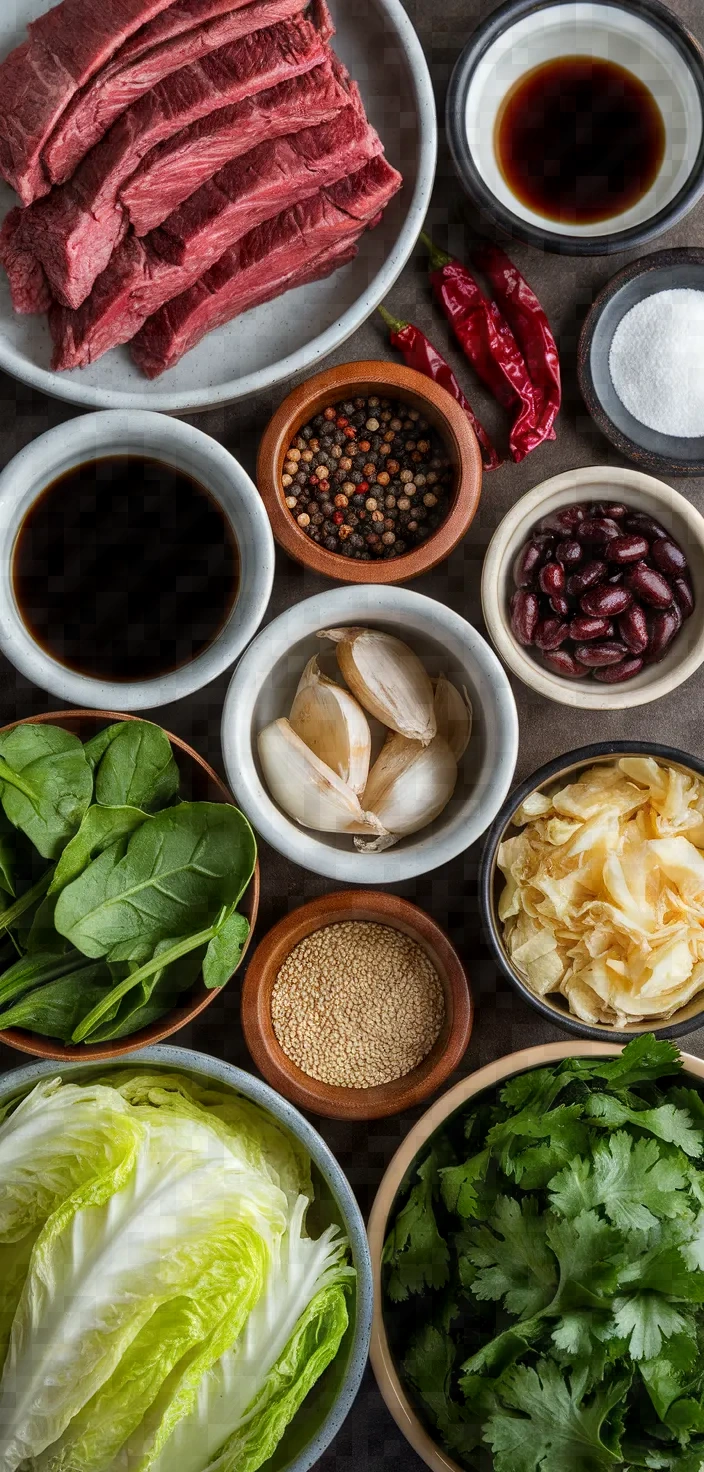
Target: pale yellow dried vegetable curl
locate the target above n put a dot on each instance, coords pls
(604, 894)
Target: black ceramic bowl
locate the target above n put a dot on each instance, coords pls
(664, 270)
(556, 773)
(641, 35)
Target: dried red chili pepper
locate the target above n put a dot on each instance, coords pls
(487, 341)
(418, 352)
(530, 325)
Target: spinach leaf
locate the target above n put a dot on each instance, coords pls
(54, 1010)
(46, 784)
(100, 828)
(34, 971)
(136, 767)
(224, 953)
(179, 871)
(152, 999)
(7, 855)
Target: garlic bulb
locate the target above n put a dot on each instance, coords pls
(306, 788)
(388, 679)
(453, 713)
(333, 725)
(408, 786)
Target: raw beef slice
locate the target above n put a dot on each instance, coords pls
(263, 262)
(173, 171)
(123, 82)
(74, 232)
(260, 185)
(66, 47)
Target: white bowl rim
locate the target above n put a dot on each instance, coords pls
(489, 1076)
(91, 435)
(530, 506)
(57, 386)
(326, 610)
(170, 1056)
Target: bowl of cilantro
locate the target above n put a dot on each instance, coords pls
(538, 1253)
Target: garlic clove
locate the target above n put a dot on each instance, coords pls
(333, 726)
(306, 788)
(388, 679)
(454, 716)
(409, 785)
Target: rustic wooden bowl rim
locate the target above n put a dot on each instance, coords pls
(325, 1099)
(172, 1022)
(378, 377)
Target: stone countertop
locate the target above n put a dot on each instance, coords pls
(369, 1440)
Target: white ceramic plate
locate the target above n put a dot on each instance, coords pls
(378, 44)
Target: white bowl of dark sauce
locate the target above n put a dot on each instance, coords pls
(136, 560)
(578, 125)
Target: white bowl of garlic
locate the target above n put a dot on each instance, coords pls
(361, 760)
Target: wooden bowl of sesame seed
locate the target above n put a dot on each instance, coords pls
(378, 381)
(356, 985)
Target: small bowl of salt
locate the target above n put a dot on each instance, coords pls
(641, 361)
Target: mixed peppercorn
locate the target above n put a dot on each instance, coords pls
(368, 478)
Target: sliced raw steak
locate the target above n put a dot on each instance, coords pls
(264, 262)
(74, 232)
(175, 169)
(66, 47)
(123, 82)
(142, 275)
(28, 284)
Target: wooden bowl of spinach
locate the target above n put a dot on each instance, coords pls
(129, 885)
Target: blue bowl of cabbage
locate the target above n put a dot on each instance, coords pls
(185, 1281)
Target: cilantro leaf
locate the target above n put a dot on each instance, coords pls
(497, 1354)
(414, 1250)
(629, 1178)
(555, 1429)
(458, 1185)
(428, 1365)
(514, 1260)
(667, 1375)
(646, 1059)
(667, 1123)
(645, 1319)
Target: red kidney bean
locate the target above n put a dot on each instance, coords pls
(595, 656)
(633, 629)
(663, 626)
(525, 612)
(526, 565)
(684, 597)
(569, 553)
(628, 548)
(668, 557)
(597, 529)
(582, 628)
(605, 602)
(551, 578)
(638, 521)
(615, 674)
(551, 633)
(650, 585)
(563, 663)
(563, 521)
(591, 574)
(560, 605)
(613, 509)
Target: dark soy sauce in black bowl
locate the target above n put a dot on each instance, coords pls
(125, 569)
(579, 140)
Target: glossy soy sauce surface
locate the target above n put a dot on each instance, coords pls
(125, 569)
(579, 140)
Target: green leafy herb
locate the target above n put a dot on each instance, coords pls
(135, 766)
(544, 1296)
(46, 784)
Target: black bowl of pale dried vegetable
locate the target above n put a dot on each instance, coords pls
(128, 885)
(542, 1275)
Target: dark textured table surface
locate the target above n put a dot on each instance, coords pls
(566, 286)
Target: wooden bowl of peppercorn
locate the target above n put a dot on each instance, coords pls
(359, 493)
(262, 1031)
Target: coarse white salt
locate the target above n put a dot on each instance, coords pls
(657, 362)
